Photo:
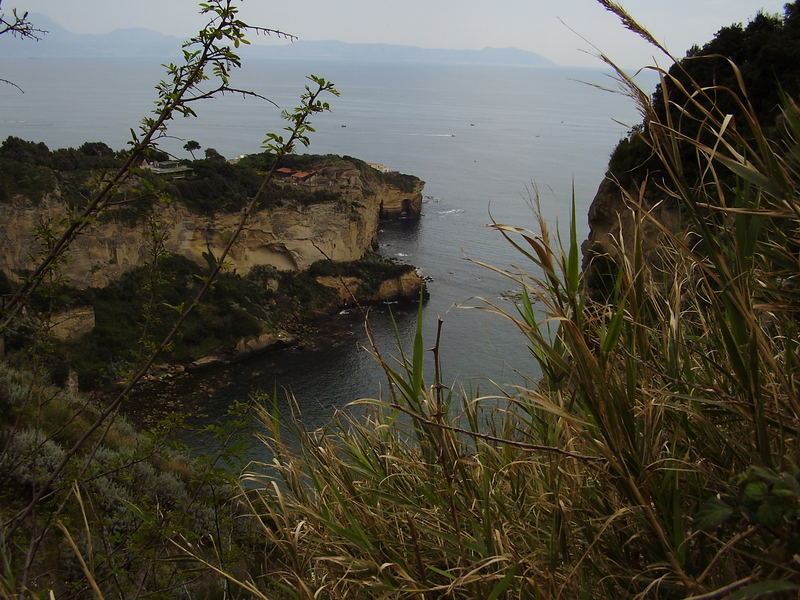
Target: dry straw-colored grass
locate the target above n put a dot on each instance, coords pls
(656, 458)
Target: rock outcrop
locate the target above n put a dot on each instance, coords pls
(286, 235)
(402, 199)
(398, 196)
(395, 203)
(406, 286)
(349, 292)
(72, 324)
(612, 222)
(303, 254)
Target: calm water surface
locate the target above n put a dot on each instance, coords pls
(483, 138)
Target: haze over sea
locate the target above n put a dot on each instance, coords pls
(481, 137)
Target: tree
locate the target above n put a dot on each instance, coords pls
(212, 154)
(96, 149)
(23, 151)
(18, 26)
(191, 146)
(765, 52)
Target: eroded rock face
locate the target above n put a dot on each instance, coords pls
(288, 237)
(407, 286)
(396, 203)
(72, 324)
(285, 238)
(612, 222)
(253, 345)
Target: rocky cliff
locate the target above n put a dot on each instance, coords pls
(351, 290)
(286, 234)
(703, 101)
(304, 253)
(612, 217)
(287, 238)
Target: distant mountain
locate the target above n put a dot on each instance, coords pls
(145, 43)
(60, 43)
(342, 51)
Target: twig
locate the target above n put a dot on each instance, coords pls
(11, 83)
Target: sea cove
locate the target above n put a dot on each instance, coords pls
(482, 138)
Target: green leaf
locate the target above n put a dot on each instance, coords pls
(756, 490)
(783, 492)
(418, 359)
(766, 474)
(502, 585)
(771, 512)
(573, 262)
(712, 513)
(441, 572)
(786, 486)
(178, 308)
(750, 175)
(614, 330)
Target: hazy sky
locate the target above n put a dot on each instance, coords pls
(528, 24)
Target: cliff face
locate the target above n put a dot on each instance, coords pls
(285, 235)
(612, 220)
(396, 203)
(407, 286)
(397, 196)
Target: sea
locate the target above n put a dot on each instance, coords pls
(491, 143)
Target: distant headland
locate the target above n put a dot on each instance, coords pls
(145, 43)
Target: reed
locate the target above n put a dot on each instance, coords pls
(656, 457)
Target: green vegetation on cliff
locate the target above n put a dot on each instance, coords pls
(308, 162)
(765, 52)
(214, 185)
(131, 313)
(32, 170)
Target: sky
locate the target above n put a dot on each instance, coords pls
(561, 30)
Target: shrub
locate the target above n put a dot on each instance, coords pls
(29, 457)
(120, 499)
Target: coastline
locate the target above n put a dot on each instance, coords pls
(194, 394)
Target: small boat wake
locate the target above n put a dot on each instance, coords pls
(432, 134)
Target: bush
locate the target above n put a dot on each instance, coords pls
(121, 499)
(31, 170)
(29, 457)
(22, 151)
